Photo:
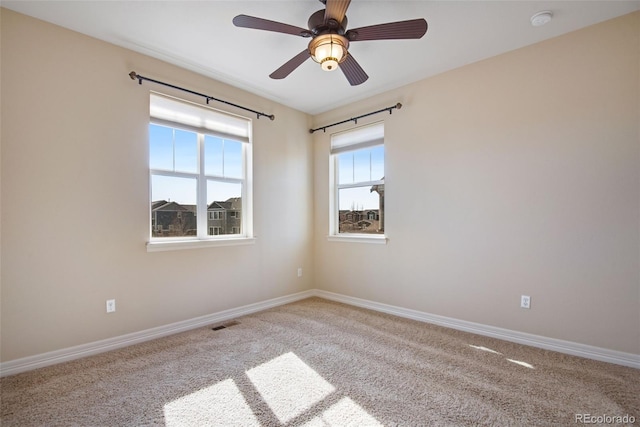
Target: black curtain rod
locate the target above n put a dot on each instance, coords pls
(140, 78)
(355, 119)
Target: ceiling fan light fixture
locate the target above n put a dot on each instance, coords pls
(329, 45)
(329, 50)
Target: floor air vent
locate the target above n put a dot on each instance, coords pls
(225, 325)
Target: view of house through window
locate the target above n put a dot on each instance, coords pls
(358, 158)
(197, 162)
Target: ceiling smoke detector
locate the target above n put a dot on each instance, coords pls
(541, 18)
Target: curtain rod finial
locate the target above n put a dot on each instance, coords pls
(133, 75)
(398, 106)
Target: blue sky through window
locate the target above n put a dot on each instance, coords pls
(358, 166)
(175, 189)
(222, 157)
(176, 150)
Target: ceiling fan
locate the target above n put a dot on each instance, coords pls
(330, 39)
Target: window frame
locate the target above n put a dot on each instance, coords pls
(335, 186)
(202, 238)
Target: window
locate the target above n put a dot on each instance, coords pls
(357, 199)
(199, 163)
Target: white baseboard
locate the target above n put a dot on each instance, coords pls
(67, 354)
(561, 346)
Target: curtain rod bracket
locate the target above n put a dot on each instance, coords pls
(208, 98)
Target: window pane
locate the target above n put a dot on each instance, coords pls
(345, 168)
(173, 149)
(160, 147)
(362, 165)
(173, 206)
(224, 208)
(222, 157)
(186, 151)
(361, 210)
(232, 159)
(377, 163)
(213, 155)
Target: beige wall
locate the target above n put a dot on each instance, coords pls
(75, 198)
(516, 175)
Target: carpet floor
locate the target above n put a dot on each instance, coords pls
(322, 363)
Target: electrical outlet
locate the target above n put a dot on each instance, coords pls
(299, 271)
(111, 305)
(525, 301)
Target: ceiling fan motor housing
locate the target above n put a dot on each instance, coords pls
(318, 25)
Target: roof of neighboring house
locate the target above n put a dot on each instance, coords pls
(164, 206)
(219, 205)
(233, 204)
(346, 211)
(155, 205)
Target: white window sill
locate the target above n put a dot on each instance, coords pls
(358, 238)
(174, 245)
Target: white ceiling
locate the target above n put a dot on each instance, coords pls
(199, 36)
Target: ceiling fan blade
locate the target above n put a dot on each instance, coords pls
(336, 9)
(353, 71)
(411, 29)
(290, 65)
(246, 21)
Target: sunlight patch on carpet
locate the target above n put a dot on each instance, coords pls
(289, 386)
(479, 347)
(521, 363)
(344, 413)
(517, 362)
(219, 404)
